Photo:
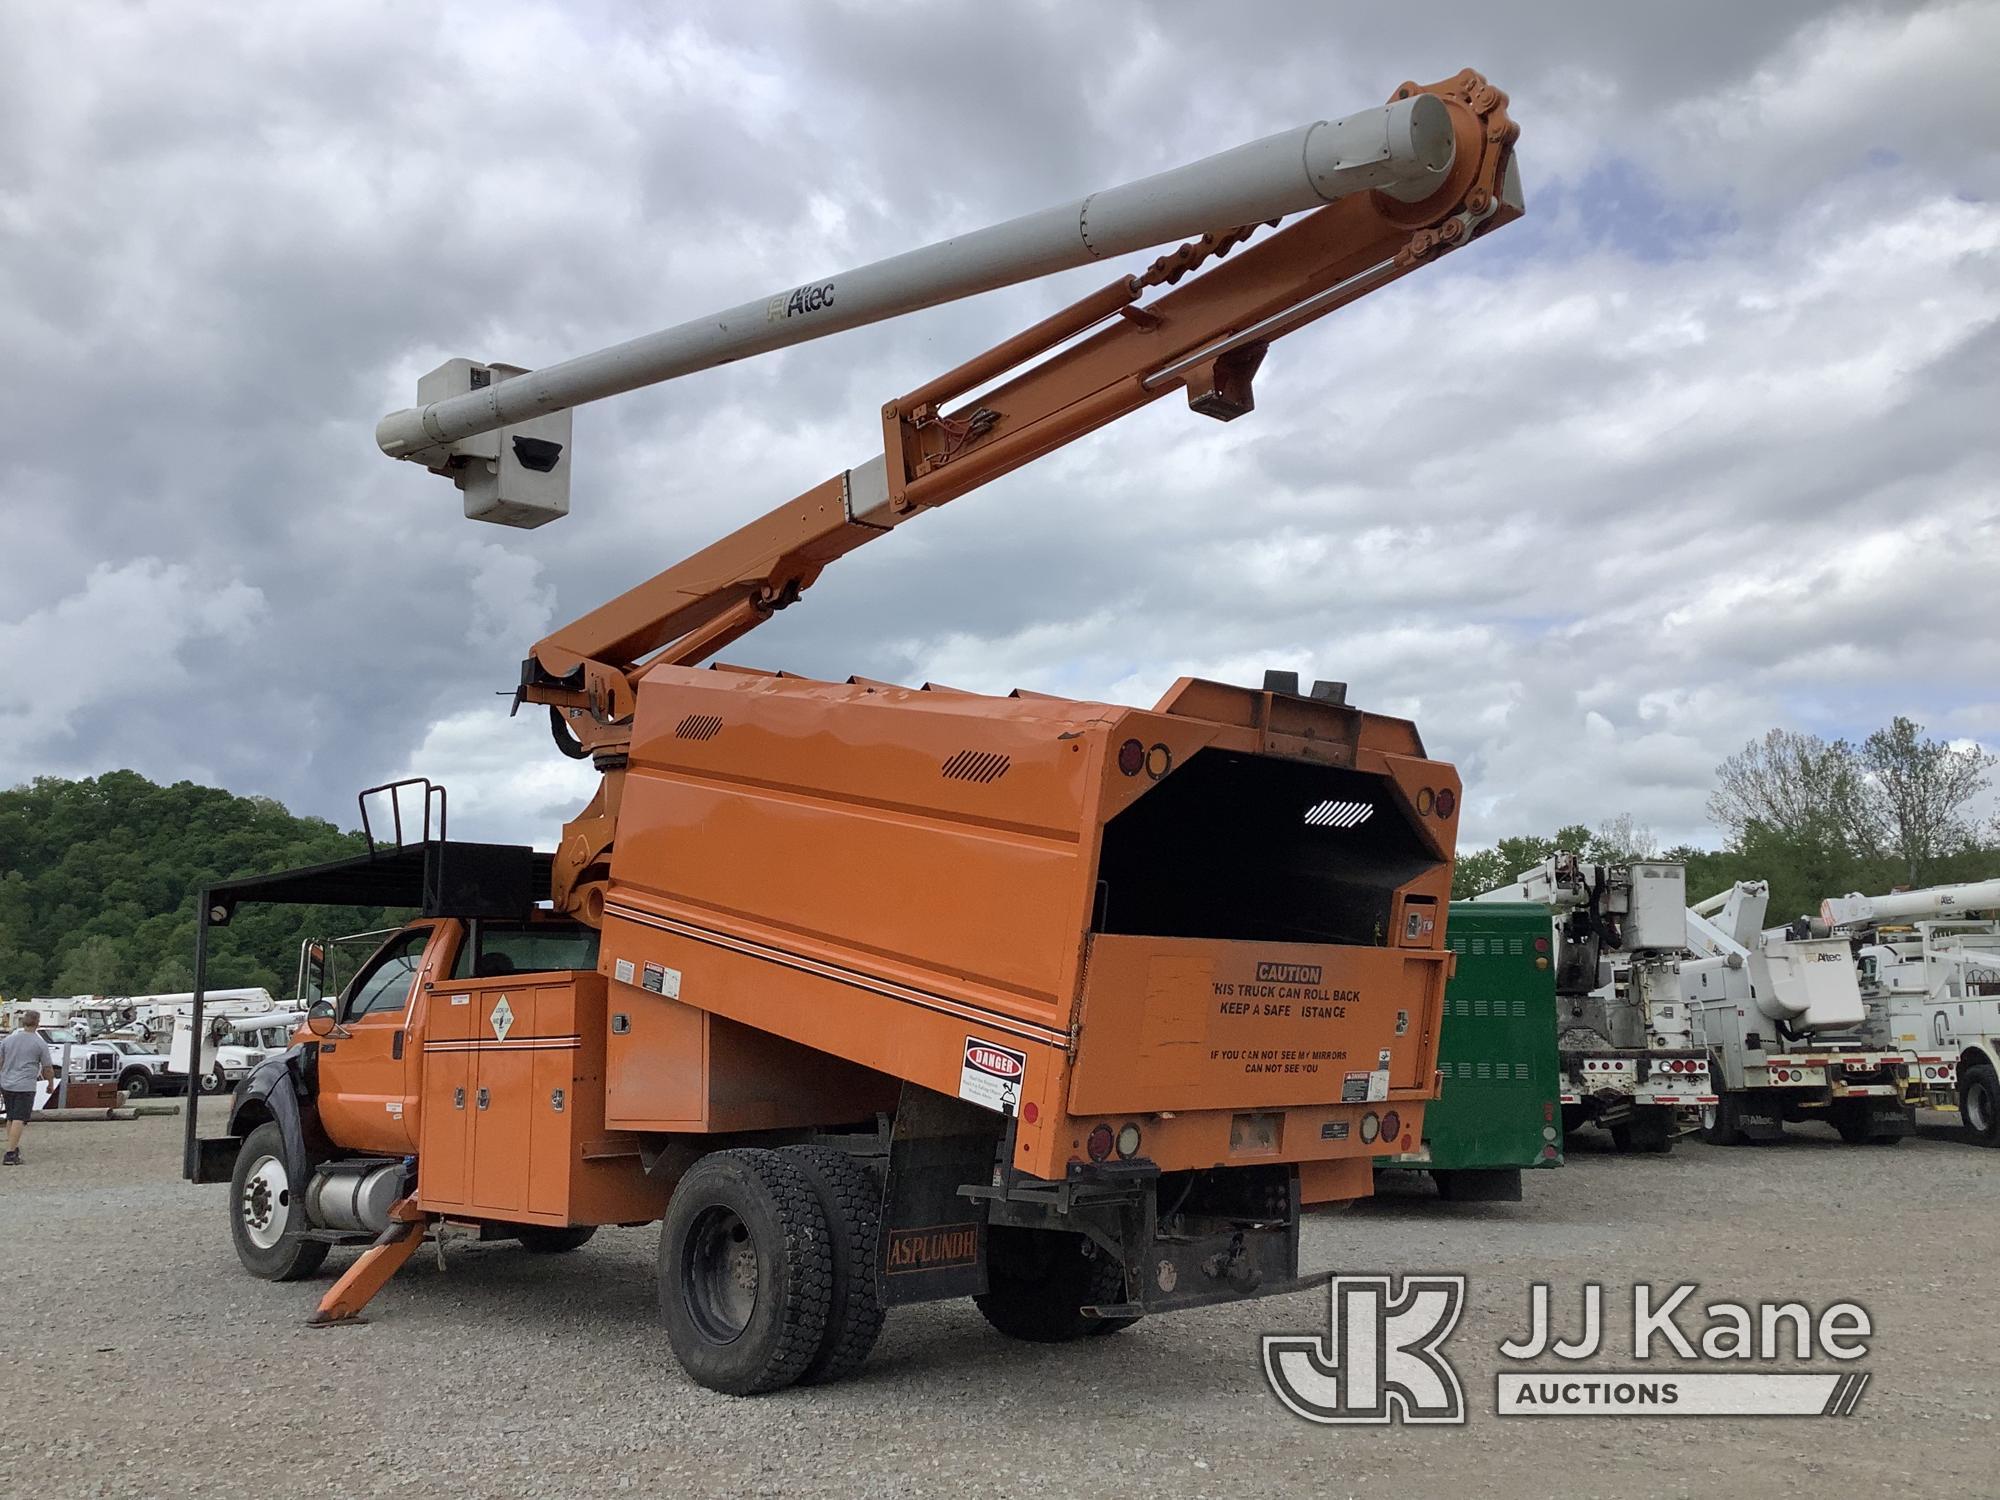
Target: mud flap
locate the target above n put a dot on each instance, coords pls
(1478, 1184)
(933, 1242)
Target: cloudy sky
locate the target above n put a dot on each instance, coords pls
(1705, 444)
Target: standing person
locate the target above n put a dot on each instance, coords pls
(25, 1060)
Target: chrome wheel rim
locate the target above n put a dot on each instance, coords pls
(266, 1202)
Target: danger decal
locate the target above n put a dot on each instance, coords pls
(991, 1075)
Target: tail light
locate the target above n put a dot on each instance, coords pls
(1128, 1141)
(1099, 1144)
(1370, 1126)
(1132, 757)
(1392, 1125)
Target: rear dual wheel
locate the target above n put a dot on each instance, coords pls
(1038, 1281)
(541, 1239)
(1860, 1125)
(1650, 1132)
(767, 1269)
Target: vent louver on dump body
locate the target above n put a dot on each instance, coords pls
(977, 765)
(1334, 813)
(698, 727)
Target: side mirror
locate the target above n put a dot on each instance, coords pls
(319, 1018)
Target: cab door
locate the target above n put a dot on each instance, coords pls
(370, 1070)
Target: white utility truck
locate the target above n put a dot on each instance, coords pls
(1629, 1064)
(1929, 966)
(1788, 1036)
(225, 1013)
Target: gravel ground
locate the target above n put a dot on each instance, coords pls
(139, 1360)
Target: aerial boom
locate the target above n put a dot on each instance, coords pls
(1403, 149)
(1932, 901)
(1388, 191)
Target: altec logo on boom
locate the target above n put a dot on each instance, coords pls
(802, 300)
(1381, 1359)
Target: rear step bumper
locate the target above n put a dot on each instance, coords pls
(1227, 1235)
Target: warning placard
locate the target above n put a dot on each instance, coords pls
(992, 1075)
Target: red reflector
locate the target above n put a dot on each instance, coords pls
(1447, 799)
(1541, 945)
(1099, 1144)
(1031, 1111)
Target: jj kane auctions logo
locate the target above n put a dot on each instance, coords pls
(1382, 1357)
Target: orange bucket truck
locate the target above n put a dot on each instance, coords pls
(873, 994)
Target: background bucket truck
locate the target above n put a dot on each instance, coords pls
(1787, 1034)
(1629, 1064)
(1929, 964)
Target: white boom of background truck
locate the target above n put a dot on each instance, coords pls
(1929, 966)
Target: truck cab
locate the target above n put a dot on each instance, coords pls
(370, 1067)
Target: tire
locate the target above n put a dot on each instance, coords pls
(539, 1239)
(745, 1272)
(1979, 1104)
(215, 1081)
(1651, 1134)
(850, 1196)
(266, 1215)
(137, 1083)
(1722, 1122)
(1040, 1280)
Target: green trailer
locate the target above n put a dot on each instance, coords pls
(1500, 1108)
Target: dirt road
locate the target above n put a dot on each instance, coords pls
(139, 1360)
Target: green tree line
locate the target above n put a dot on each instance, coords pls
(1813, 817)
(99, 879)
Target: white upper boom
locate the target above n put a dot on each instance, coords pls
(1403, 149)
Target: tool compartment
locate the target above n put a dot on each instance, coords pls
(513, 1122)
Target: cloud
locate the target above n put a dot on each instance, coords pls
(124, 648)
(1702, 445)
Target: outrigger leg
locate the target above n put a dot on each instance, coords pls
(369, 1274)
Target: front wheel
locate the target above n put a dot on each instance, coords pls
(1979, 1104)
(137, 1084)
(215, 1081)
(746, 1272)
(267, 1211)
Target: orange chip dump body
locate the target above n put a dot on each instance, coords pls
(1220, 920)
